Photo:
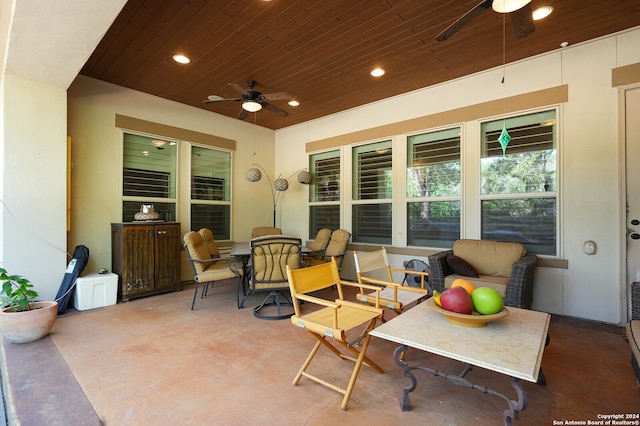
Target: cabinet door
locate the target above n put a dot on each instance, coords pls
(167, 253)
(137, 261)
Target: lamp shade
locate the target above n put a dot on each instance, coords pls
(507, 6)
(304, 177)
(253, 175)
(251, 106)
(281, 184)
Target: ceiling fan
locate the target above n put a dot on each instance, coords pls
(520, 11)
(252, 100)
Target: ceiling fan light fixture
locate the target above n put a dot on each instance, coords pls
(293, 103)
(542, 12)
(251, 106)
(508, 6)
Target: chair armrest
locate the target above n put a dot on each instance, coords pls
(316, 300)
(406, 272)
(360, 306)
(438, 269)
(395, 285)
(520, 287)
(375, 288)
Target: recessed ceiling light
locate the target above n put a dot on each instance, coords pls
(294, 103)
(564, 44)
(181, 59)
(542, 12)
(377, 72)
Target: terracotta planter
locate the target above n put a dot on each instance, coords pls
(28, 326)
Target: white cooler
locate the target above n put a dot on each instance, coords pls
(95, 291)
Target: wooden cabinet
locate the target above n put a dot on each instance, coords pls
(146, 257)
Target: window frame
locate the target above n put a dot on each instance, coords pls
(434, 198)
(355, 203)
(555, 194)
(314, 227)
(226, 201)
(158, 202)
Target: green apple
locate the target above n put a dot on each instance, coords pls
(486, 301)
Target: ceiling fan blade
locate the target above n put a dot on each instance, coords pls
(243, 114)
(209, 100)
(464, 20)
(522, 20)
(273, 108)
(239, 89)
(279, 96)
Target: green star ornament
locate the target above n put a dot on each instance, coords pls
(504, 139)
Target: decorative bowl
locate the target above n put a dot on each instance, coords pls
(473, 320)
(146, 216)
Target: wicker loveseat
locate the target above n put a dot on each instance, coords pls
(504, 266)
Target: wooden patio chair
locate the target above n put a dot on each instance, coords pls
(332, 321)
(372, 267)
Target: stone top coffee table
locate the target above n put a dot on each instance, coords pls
(512, 345)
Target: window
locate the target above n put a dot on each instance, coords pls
(423, 197)
(148, 176)
(433, 188)
(372, 193)
(519, 188)
(324, 192)
(211, 191)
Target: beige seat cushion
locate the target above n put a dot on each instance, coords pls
(262, 231)
(491, 258)
(197, 249)
(263, 259)
(338, 243)
(321, 241)
(219, 270)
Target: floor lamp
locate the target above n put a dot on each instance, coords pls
(281, 184)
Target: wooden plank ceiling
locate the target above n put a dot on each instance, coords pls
(321, 51)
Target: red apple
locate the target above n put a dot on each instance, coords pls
(456, 299)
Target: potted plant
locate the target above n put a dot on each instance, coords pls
(22, 318)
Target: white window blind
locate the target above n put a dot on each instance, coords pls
(372, 193)
(324, 194)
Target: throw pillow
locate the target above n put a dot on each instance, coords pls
(461, 266)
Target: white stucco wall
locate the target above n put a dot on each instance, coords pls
(96, 157)
(590, 196)
(33, 168)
